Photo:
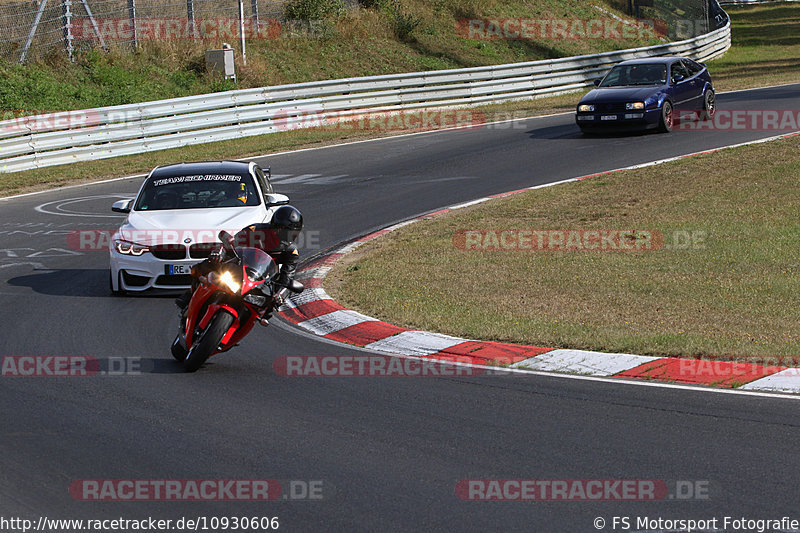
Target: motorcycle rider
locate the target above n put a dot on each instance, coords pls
(276, 237)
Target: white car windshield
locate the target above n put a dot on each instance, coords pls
(197, 191)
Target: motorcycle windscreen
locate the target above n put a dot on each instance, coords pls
(258, 263)
(257, 236)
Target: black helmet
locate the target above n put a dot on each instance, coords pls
(277, 234)
(288, 223)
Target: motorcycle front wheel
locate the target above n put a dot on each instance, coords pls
(178, 351)
(208, 341)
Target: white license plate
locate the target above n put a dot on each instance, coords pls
(608, 117)
(174, 270)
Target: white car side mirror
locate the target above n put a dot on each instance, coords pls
(276, 199)
(122, 206)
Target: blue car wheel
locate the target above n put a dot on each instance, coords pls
(667, 117)
(709, 105)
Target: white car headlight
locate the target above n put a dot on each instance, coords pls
(130, 248)
(634, 105)
(583, 108)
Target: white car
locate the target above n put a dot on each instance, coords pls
(174, 221)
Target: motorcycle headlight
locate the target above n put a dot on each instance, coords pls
(226, 278)
(130, 248)
(584, 108)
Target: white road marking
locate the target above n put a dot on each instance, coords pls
(34, 264)
(57, 205)
(322, 325)
(308, 295)
(298, 179)
(55, 252)
(12, 252)
(419, 343)
(787, 380)
(584, 362)
(346, 249)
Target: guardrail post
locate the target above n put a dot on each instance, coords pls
(132, 17)
(94, 24)
(32, 31)
(241, 32)
(66, 9)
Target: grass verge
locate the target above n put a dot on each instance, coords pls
(725, 283)
(765, 48)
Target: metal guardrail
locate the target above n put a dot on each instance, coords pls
(47, 140)
(745, 2)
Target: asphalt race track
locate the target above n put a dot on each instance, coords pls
(388, 452)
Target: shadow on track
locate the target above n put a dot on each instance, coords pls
(574, 133)
(133, 366)
(90, 283)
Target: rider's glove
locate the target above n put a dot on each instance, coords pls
(215, 256)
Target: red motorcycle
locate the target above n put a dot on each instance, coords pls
(227, 304)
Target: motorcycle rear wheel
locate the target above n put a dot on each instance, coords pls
(208, 341)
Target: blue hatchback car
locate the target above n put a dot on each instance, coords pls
(646, 93)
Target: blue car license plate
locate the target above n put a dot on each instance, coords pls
(608, 117)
